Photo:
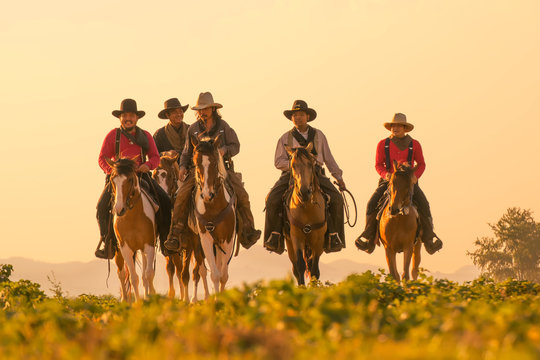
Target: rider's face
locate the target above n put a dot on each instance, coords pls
(300, 119)
(398, 130)
(175, 116)
(205, 114)
(128, 120)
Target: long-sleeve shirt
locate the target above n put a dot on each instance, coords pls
(127, 150)
(400, 156)
(197, 130)
(324, 155)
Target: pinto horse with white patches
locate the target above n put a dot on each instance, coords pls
(306, 213)
(167, 176)
(134, 226)
(215, 210)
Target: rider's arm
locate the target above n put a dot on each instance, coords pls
(380, 160)
(107, 151)
(153, 154)
(328, 158)
(281, 158)
(187, 153)
(232, 146)
(418, 158)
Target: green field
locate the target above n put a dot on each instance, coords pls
(367, 316)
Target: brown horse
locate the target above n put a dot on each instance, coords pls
(134, 226)
(167, 176)
(399, 223)
(306, 213)
(215, 210)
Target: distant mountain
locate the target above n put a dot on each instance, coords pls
(77, 278)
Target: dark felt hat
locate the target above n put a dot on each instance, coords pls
(300, 105)
(171, 104)
(128, 105)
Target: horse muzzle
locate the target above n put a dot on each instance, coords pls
(305, 193)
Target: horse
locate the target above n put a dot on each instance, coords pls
(398, 226)
(214, 209)
(167, 176)
(135, 227)
(306, 214)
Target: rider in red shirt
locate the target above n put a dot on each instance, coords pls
(130, 141)
(403, 149)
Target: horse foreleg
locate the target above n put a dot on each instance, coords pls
(183, 278)
(407, 256)
(128, 255)
(207, 243)
(148, 269)
(417, 255)
(391, 260)
(224, 263)
(300, 267)
(170, 273)
(123, 276)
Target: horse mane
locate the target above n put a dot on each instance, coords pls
(124, 166)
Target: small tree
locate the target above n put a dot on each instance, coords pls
(514, 252)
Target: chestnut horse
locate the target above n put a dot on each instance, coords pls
(306, 213)
(167, 176)
(134, 226)
(215, 211)
(398, 225)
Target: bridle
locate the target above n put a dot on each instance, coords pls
(405, 205)
(131, 193)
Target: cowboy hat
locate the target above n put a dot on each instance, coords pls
(128, 105)
(204, 101)
(400, 119)
(300, 105)
(171, 104)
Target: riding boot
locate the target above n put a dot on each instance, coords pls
(275, 243)
(428, 235)
(250, 235)
(370, 233)
(106, 231)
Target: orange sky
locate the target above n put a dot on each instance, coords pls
(465, 73)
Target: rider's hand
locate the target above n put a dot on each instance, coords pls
(143, 168)
(182, 173)
(387, 176)
(341, 185)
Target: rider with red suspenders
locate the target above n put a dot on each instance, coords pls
(131, 142)
(402, 148)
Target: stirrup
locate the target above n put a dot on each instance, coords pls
(433, 246)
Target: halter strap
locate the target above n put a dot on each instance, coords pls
(210, 225)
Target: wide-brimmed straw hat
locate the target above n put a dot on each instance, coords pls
(206, 100)
(300, 105)
(171, 104)
(128, 105)
(400, 119)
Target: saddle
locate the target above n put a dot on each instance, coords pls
(147, 190)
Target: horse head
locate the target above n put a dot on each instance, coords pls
(401, 186)
(210, 168)
(125, 184)
(166, 173)
(302, 165)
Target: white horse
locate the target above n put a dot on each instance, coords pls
(215, 211)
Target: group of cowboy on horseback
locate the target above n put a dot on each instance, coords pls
(132, 142)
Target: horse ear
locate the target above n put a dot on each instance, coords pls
(396, 166)
(110, 162)
(289, 150)
(175, 158)
(309, 147)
